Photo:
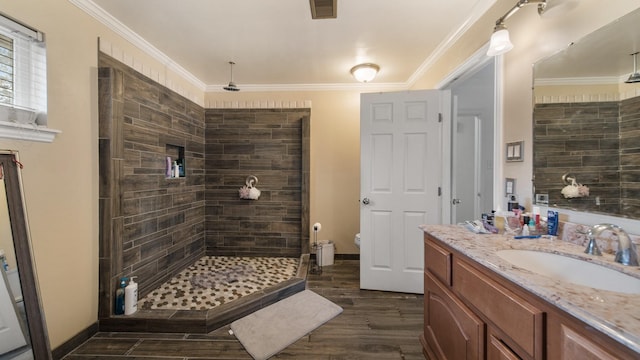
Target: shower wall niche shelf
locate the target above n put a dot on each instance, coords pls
(175, 156)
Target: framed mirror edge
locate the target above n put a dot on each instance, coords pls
(39, 339)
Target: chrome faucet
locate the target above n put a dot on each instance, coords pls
(626, 254)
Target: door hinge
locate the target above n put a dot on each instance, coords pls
(439, 117)
(439, 191)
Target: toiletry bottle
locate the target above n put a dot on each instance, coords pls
(532, 226)
(169, 172)
(3, 260)
(131, 297)
(119, 309)
(176, 170)
(552, 222)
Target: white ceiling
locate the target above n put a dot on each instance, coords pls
(602, 56)
(276, 44)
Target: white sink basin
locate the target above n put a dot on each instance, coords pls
(572, 270)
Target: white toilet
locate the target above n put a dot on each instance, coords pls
(357, 240)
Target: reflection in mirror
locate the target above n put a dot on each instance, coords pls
(22, 329)
(585, 123)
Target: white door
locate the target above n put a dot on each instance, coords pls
(11, 336)
(400, 172)
(465, 175)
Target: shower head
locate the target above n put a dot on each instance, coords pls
(232, 86)
(635, 77)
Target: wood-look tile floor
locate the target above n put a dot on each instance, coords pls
(373, 325)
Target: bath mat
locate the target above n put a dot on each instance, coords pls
(267, 331)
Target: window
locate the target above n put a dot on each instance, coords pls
(23, 73)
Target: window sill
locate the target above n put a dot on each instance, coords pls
(28, 132)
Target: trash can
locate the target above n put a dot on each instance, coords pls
(326, 250)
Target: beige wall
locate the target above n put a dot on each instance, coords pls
(335, 158)
(61, 179)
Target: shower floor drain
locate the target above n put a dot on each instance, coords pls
(216, 280)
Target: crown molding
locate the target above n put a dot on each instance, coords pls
(312, 87)
(95, 11)
(119, 28)
(479, 10)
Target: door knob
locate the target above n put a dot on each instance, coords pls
(366, 201)
(456, 201)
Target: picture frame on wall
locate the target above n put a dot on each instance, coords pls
(509, 186)
(515, 151)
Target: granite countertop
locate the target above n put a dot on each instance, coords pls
(614, 314)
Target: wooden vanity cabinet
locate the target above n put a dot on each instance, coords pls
(471, 312)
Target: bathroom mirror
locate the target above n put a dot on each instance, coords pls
(585, 123)
(23, 332)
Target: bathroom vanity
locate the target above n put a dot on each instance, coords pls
(479, 306)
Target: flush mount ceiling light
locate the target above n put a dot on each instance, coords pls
(365, 72)
(232, 86)
(635, 77)
(500, 42)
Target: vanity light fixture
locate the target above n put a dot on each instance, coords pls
(635, 77)
(365, 72)
(500, 42)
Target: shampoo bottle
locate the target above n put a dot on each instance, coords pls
(119, 309)
(131, 297)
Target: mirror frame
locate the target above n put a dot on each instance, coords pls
(22, 246)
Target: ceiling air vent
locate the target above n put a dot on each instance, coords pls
(323, 9)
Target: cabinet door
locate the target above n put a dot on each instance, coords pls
(452, 331)
(576, 346)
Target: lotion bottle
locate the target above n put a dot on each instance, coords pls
(131, 297)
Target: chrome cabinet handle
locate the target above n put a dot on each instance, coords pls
(366, 201)
(456, 201)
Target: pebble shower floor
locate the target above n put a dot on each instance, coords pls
(216, 280)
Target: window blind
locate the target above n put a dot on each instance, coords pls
(23, 66)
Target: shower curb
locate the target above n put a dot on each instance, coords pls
(205, 321)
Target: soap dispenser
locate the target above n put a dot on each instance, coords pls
(131, 297)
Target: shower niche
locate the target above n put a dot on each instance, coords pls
(175, 166)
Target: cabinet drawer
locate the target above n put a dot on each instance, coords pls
(521, 322)
(438, 261)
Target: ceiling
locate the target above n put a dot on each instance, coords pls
(277, 45)
(602, 56)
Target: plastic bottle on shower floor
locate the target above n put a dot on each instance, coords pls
(119, 306)
(131, 297)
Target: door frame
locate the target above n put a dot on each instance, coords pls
(474, 62)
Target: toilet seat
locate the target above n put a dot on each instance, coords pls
(357, 240)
